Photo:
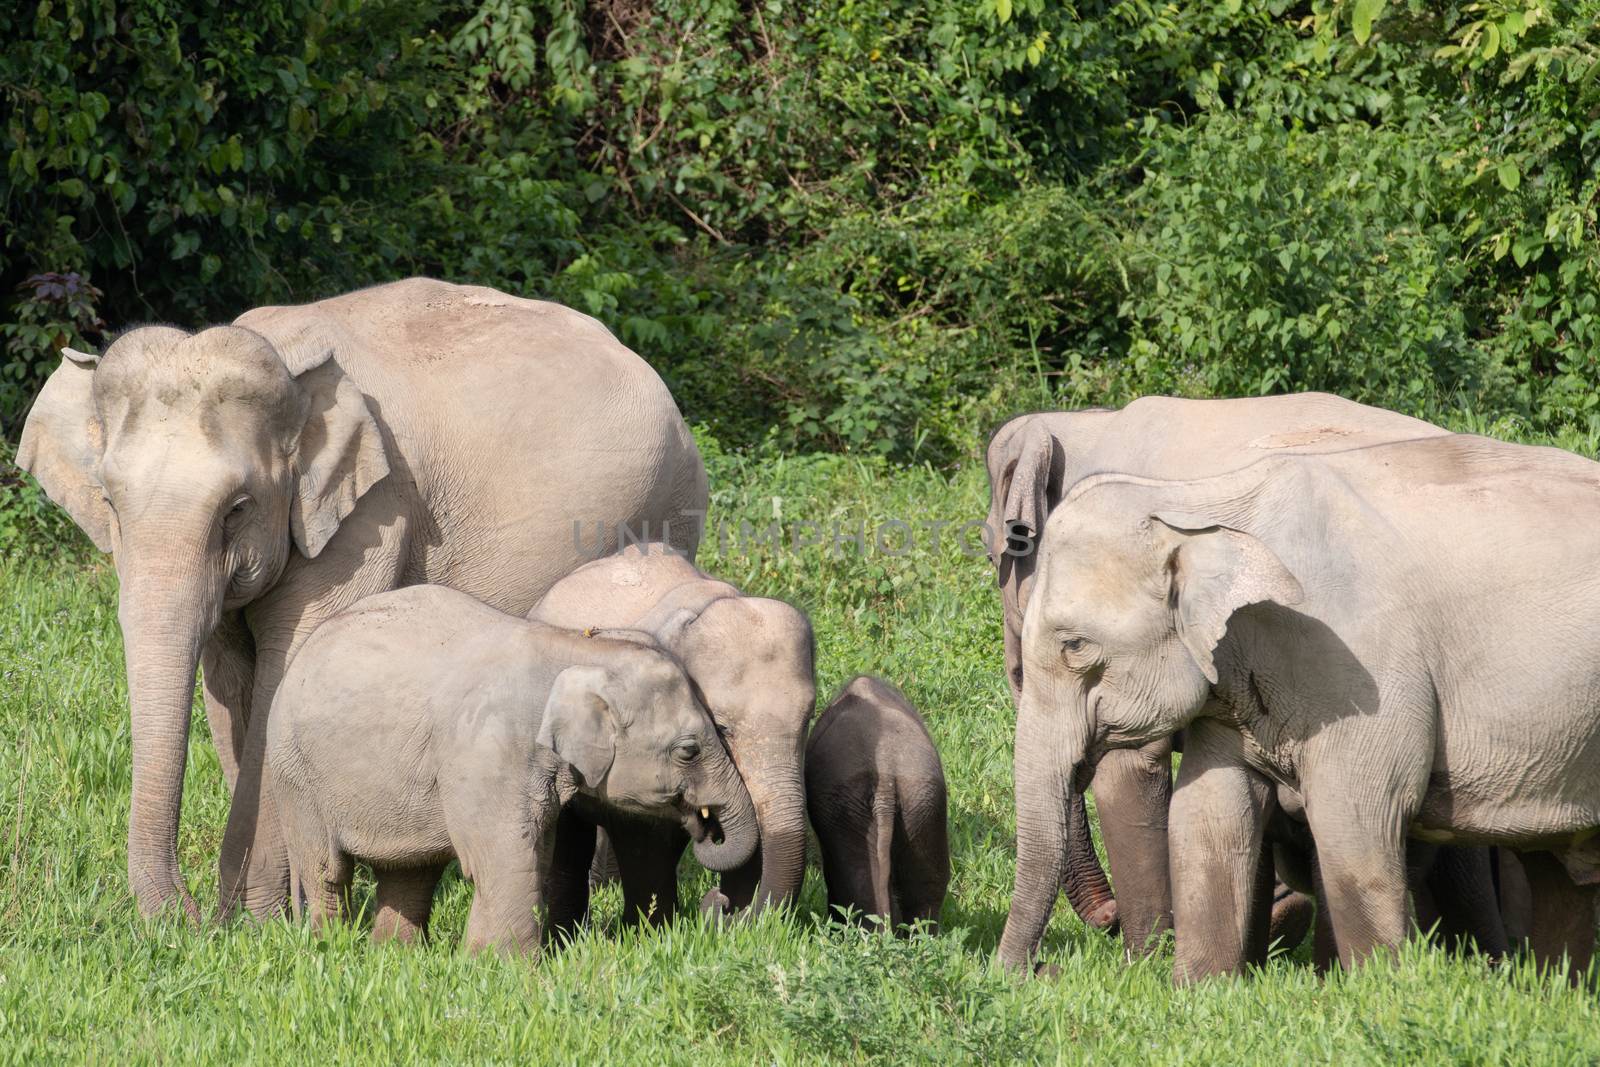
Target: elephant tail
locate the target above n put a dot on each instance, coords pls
(883, 818)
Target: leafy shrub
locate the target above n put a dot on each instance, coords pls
(869, 228)
(1269, 260)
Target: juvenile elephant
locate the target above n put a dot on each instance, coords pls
(252, 480)
(422, 725)
(751, 660)
(875, 790)
(1032, 461)
(1406, 634)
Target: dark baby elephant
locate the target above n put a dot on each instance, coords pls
(875, 791)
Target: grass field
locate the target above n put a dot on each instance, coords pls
(83, 980)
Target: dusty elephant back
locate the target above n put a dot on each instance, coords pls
(1172, 437)
(529, 432)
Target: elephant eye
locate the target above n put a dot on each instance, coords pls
(1080, 652)
(686, 751)
(237, 510)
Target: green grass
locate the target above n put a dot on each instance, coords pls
(82, 979)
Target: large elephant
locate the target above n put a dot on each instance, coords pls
(252, 480)
(1032, 461)
(751, 659)
(1406, 634)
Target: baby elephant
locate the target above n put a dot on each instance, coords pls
(422, 725)
(875, 792)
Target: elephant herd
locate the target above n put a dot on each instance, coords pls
(1376, 643)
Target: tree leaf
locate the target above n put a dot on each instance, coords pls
(1362, 17)
(1509, 175)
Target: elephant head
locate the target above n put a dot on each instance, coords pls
(751, 658)
(635, 735)
(1133, 596)
(200, 461)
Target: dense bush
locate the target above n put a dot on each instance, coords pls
(846, 226)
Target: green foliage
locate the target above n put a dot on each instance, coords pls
(871, 228)
(30, 525)
(1270, 260)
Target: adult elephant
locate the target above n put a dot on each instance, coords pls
(1406, 634)
(751, 660)
(1032, 461)
(252, 480)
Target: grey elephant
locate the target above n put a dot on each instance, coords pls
(875, 791)
(1032, 461)
(252, 480)
(751, 660)
(1406, 634)
(422, 726)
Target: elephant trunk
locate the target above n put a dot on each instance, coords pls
(167, 610)
(1044, 766)
(1083, 879)
(1086, 886)
(775, 777)
(728, 838)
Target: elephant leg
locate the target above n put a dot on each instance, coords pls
(253, 871)
(1426, 909)
(571, 876)
(603, 869)
(1516, 897)
(1324, 947)
(647, 855)
(1361, 856)
(505, 913)
(1563, 915)
(848, 840)
(328, 897)
(403, 902)
(254, 866)
(227, 676)
(1461, 881)
(1218, 818)
(736, 889)
(922, 865)
(1258, 935)
(321, 872)
(1293, 893)
(1132, 792)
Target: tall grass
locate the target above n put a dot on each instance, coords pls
(82, 979)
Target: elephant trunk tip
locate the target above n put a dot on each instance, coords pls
(723, 838)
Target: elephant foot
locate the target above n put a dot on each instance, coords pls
(1046, 970)
(1292, 915)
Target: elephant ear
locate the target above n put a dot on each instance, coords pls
(340, 453)
(1027, 503)
(578, 725)
(61, 444)
(1212, 572)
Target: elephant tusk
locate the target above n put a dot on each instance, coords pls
(705, 813)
